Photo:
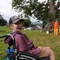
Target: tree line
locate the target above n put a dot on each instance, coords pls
(3, 22)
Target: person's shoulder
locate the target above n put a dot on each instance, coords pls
(17, 35)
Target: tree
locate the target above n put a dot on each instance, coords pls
(26, 23)
(53, 7)
(44, 11)
(3, 22)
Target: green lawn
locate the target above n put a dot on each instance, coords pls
(39, 39)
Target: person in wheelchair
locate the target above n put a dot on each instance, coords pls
(24, 44)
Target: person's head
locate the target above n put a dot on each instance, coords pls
(15, 23)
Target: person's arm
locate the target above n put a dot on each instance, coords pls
(34, 51)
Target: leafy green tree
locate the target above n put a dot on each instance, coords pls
(26, 23)
(3, 22)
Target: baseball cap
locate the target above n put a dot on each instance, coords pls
(15, 19)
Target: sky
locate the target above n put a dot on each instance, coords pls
(6, 10)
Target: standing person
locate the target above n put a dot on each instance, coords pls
(24, 44)
(56, 26)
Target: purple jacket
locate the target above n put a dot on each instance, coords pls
(24, 44)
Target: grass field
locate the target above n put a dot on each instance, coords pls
(39, 39)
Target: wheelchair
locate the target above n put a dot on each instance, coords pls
(13, 55)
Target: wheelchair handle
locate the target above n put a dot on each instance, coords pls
(7, 35)
(3, 36)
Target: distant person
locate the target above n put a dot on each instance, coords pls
(56, 26)
(52, 30)
(24, 44)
